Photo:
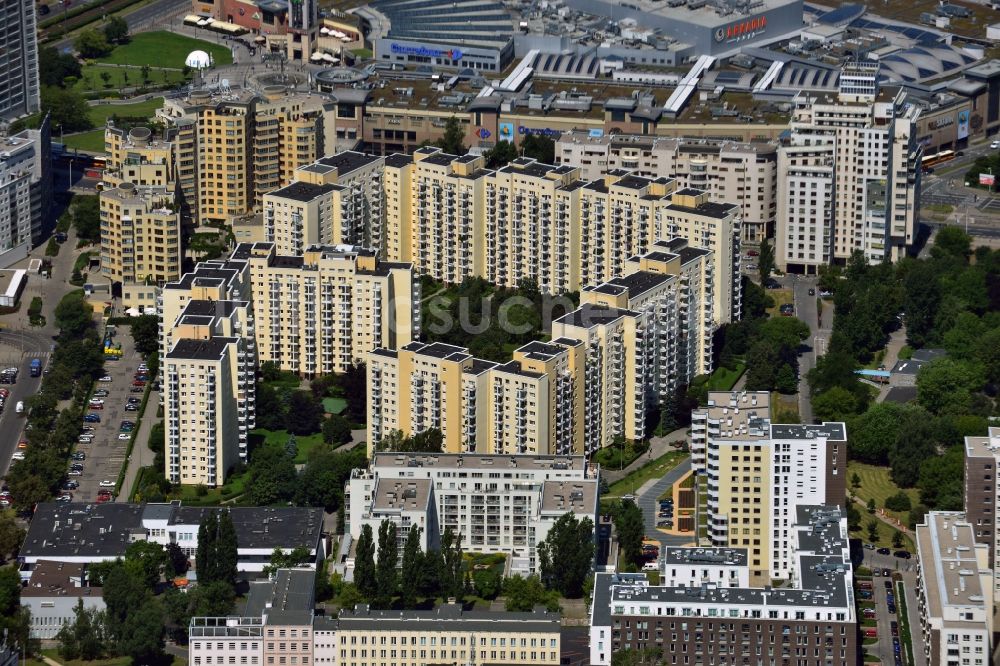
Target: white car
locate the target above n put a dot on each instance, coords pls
(106, 484)
(105, 378)
(96, 401)
(995, 145)
(85, 439)
(125, 436)
(18, 455)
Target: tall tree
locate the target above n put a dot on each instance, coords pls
(15, 620)
(566, 555)
(145, 560)
(765, 262)
(11, 535)
(271, 476)
(412, 565)
(116, 30)
(92, 44)
(226, 548)
(145, 331)
(541, 148)
(364, 564)
(630, 527)
(82, 638)
(453, 140)
(207, 534)
(386, 578)
(305, 414)
(451, 564)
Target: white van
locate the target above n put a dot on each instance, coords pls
(20, 407)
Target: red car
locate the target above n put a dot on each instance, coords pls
(138, 383)
(92, 406)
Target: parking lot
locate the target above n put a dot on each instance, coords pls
(105, 453)
(12, 423)
(900, 569)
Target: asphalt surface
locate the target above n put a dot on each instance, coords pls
(138, 18)
(648, 502)
(12, 423)
(907, 570)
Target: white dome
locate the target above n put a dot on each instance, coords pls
(198, 60)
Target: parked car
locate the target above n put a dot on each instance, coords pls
(812, 292)
(18, 455)
(772, 284)
(870, 632)
(753, 253)
(136, 389)
(894, 628)
(89, 428)
(105, 379)
(75, 472)
(101, 393)
(904, 554)
(139, 383)
(995, 144)
(869, 546)
(131, 408)
(92, 418)
(127, 423)
(65, 497)
(71, 485)
(106, 484)
(883, 551)
(124, 436)
(95, 406)
(79, 455)
(96, 401)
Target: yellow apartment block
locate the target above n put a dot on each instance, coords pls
(140, 235)
(135, 156)
(322, 311)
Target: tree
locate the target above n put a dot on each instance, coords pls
(785, 380)
(282, 560)
(270, 371)
(106, 77)
(87, 217)
(941, 480)
(124, 594)
(427, 441)
(630, 528)
(872, 530)
(11, 535)
(765, 262)
(146, 333)
(364, 564)
(566, 555)
(226, 549)
(922, 297)
(487, 583)
(145, 560)
(207, 535)
(177, 561)
(916, 515)
(116, 30)
(870, 505)
(54, 67)
(453, 140)
(897, 539)
(837, 404)
(501, 154)
(144, 633)
(270, 410)
(336, 430)
(92, 44)
(946, 386)
(305, 414)
(386, 576)
(412, 565)
(15, 620)
(953, 242)
(354, 387)
(450, 562)
(523, 594)
(874, 433)
(541, 148)
(291, 447)
(853, 517)
(83, 637)
(73, 316)
(784, 331)
(898, 502)
(855, 481)
(271, 477)
(321, 483)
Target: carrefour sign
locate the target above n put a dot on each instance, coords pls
(741, 29)
(423, 51)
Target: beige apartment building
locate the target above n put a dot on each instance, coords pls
(743, 173)
(232, 147)
(335, 200)
(140, 237)
(136, 156)
(454, 219)
(322, 311)
(608, 364)
(726, 412)
(848, 175)
(758, 472)
(445, 635)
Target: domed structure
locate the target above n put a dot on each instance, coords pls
(198, 60)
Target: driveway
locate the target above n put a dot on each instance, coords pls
(906, 569)
(647, 500)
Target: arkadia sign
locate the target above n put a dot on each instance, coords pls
(423, 51)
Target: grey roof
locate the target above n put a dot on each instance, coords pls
(265, 527)
(302, 191)
(438, 350)
(81, 530)
(287, 599)
(348, 161)
(706, 556)
(200, 350)
(398, 160)
(589, 314)
(919, 358)
(634, 284)
(835, 430)
(448, 617)
(201, 308)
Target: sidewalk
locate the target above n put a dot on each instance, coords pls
(141, 455)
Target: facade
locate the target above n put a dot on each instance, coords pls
(531, 221)
(497, 504)
(25, 187)
(744, 173)
(445, 635)
(335, 200)
(632, 340)
(78, 533)
(982, 501)
(954, 592)
(848, 176)
(52, 593)
(136, 156)
(758, 474)
(275, 626)
(725, 413)
(209, 392)
(323, 310)
(812, 621)
(140, 235)
(19, 84)
(232, 147)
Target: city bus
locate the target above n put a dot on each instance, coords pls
(938, 158)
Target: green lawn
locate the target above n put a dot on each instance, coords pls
(876, 484)
(190, 496)
(115, 661)
(362, 53)
(780, 297)
(885, 532)
(92, 141)
(652, 470)
(165, 49)
(904, 622)
(723, 379)
(334, 405)
(124, 77)
(100, 113)
(304, 443)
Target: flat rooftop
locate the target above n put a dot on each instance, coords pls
(470, 461)
(448, 617)
(344, 162)
(212, 349)
(984, 447)
(835, 430)
(564, 496)
(946, 544)
(588, 315)
(635, 284)
(199, 308)
(95, 531)
(287, 599)
(301, 191)
(736, 557)
(392, 494)
(438, 350)
(59, 579)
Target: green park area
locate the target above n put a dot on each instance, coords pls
(105, 77)
(164, 49)
(93, 141)
(655, 469)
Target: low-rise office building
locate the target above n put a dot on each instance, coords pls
(322, 310)
(82, 533)
(446, 635)
(497, 504)
(954, 591)
(812, 621)
(52, 594)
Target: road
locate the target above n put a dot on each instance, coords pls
(819, 334)
(140, 18)
(907, 569)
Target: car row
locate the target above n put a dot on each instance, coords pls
(8, 376)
